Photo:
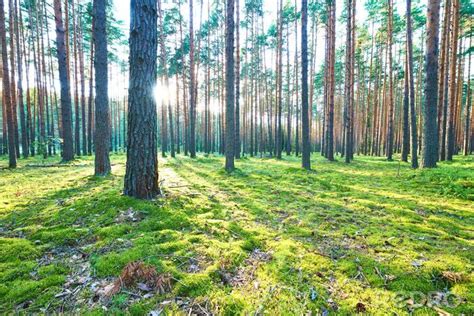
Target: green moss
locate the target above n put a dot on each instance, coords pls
(194, 285)
(16, 249)
(346, 234)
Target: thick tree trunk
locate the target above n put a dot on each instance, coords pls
(66, 111)
(141, 176)
(430, 127)
(102, 117)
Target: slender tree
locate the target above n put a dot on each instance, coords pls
(229, 87)
(390, 128)
(348, 85)
(411, 89)
(306, 150)
(450, 143)
(141, 175)
(66, 111)
(430, 127)
(192, 86)
(102, 118)
(6, 91)
(237, 81)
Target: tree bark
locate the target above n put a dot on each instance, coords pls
(141, 176)
(430, 127)
(6, 91)
(66, 111)
(229, 87)
(102, 116)
(411, 91)
(306, 150)
(192, 86)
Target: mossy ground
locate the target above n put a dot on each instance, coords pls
(340, 239)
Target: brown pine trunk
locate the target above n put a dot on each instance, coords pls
(390, 130)
(452, 83)
(229, 87)
(430, 127)
(141, 176)
(102, 117)
(6, 92)
(192, 86)
(66, 112)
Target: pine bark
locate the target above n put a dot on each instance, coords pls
(229, 88)
(102, 116)
(192, 86)
(430, 127)
(66, 111)
(306, 150)
(450, 143)
(141, 176)
(411, 91)
(6, 91)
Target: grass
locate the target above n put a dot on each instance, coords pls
(364, 237)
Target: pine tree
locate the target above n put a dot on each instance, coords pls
(141, 175)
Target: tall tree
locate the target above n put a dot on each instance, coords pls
(192, 86)
(411, 89)
(390, 128)
(141, 175)
(21, 105)
(306, 150)
(237, 80)
(6, 91)
(66, 111)
(348, 102)
(450, 143)
(102, 118)
(229, 87)
(430, 109)
(467, 125)
(330, 79)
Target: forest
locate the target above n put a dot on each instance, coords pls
(236, 157)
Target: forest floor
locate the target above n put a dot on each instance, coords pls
(370, 237)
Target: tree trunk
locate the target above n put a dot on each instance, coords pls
(102, 117)
(430, 127)
(6, 91)
(141, 176)
(467, 125)
(390, 130)
(411, 91)
(192, 86)
(452, 83)
(229, 87)
(306, 150)
(237, 81)
(66, 111)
